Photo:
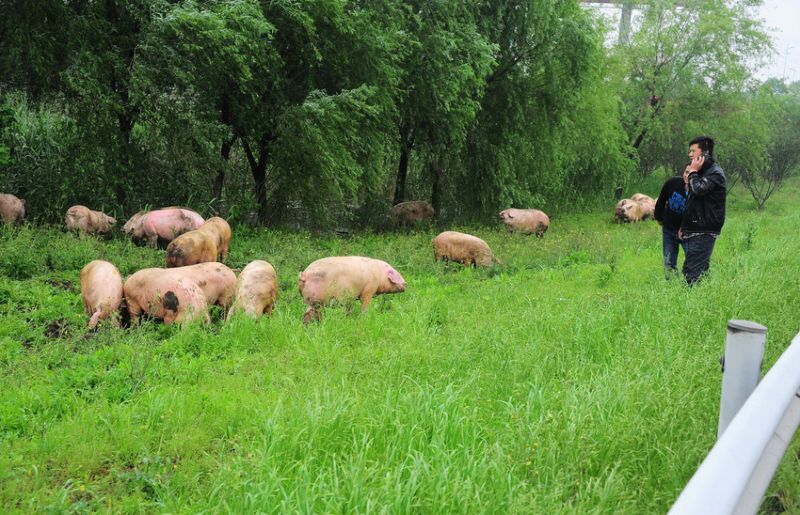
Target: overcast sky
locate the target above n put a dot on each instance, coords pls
(782, 17)
(782, 20)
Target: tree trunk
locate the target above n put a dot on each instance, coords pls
(625, 22)
(258, 167)
(219, 180)
(125, 122)
(655, 109)
(402, 174)
(225, 150)
(437, 170)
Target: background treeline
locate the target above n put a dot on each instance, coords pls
(330, 111)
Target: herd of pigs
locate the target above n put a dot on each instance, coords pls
(195, 276)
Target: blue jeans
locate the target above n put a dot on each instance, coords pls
(698, 250)
(671, 244)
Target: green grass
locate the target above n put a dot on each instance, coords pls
(573, 378)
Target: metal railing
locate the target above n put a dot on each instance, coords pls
(754, 429)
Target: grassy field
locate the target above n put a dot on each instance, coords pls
(572, 379)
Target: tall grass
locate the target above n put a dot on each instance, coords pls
(573, 378)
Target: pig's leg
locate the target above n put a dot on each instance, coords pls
(95, 319)
(366, 298)
(312, 313)
(134, 310)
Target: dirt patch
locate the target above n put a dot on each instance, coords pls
(773, 504)
(61, 283)
(57, 328)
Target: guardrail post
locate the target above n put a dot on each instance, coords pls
(762, 475)
(741, 370)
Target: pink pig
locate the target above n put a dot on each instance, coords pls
(635, 209)
(462, 248)
(101, 291)
(164, 296)
(217, 281)
(526, 221)
(162, 224)
(345, 278)
(256, 290)
(12, 209)
(83, 220)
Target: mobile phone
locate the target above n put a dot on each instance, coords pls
(706, 154)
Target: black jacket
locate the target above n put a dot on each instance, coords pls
(671, 203)
(705, 205)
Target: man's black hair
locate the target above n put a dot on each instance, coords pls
(705, 143)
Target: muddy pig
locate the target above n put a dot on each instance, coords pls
(191, 248)
(635, 209)
(101, 291)
(346, 278)
(12, 209)
(221, 231)
(256, 290)
(217, 281)
(411, 212)
(83, 220)
(526, 221)
(162, 225)
(208, 243)
(463, 248)
(168, 297)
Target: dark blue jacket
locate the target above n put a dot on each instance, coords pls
(671, 203)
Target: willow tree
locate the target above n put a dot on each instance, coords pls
(543, 93)
(444, 71)
(75, 58)
(680, 51)
(297, 86)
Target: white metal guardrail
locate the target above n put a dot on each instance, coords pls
(736, 473)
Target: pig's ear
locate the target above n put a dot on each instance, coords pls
(394, 276)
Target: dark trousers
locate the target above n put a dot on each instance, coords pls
(698, 250)
(670, 245)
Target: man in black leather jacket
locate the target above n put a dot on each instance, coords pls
(705, 208)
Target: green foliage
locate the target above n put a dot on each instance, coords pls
(777, 155)
(43, 141)
(680, 62)
(548, 123)
(6, 117)
(322, 113)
